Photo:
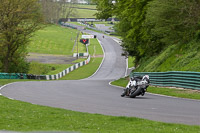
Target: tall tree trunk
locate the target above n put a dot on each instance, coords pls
(6, 60)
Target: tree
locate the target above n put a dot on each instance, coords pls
(173, 21)
(131, 14)
(131, 27)
(148, 26)
(19, 20)
(104, 8)
(68, 9)
(53, 10)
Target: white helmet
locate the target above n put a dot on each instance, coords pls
(145, 76)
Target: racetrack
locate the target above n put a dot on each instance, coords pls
(95, 95)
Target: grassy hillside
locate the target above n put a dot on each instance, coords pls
(84, 11)
(54, 39)
(174, 58)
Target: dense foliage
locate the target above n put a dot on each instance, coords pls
(173, 21)
(104, 8)
(19, 19)
(150, 26)
(131, 27)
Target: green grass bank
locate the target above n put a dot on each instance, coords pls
(56, 40)
(22, 116)
(178, 57)
(83, 11)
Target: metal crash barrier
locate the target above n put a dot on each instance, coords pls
(13, 76)
(44, 77)
(182, 79)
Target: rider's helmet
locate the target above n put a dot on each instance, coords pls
(132, 78)
(145, 76)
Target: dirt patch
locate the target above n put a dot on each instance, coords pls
(94, 56)
(50, 59)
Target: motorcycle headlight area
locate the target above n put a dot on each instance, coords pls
(133, 83)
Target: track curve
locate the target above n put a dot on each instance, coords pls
(95, 95)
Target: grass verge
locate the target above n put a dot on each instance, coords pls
(21, 116)
(84, 71)
(95, 48)
(131, 62)
(181, 93)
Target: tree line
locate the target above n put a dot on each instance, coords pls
(19, 20)
(149, 26)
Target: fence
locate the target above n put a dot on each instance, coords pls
(43, 77)
(182, 79)
(68, 25)
(13, 76)
(66, 71)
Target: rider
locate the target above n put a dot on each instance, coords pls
(133, 82)
(145, 78)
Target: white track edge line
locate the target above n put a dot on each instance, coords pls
(5, 86)
(126, 58)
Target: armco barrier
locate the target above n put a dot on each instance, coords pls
(182, 79)
(43, 77)
(68, 25)
(13, 76)
(66, 71)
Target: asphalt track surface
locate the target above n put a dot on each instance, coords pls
(95, 95)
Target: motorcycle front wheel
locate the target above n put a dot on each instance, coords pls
(136, 92)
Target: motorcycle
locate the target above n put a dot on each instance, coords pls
(136, 86)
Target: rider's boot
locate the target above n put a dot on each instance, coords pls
(124, 93)
(143, 92)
